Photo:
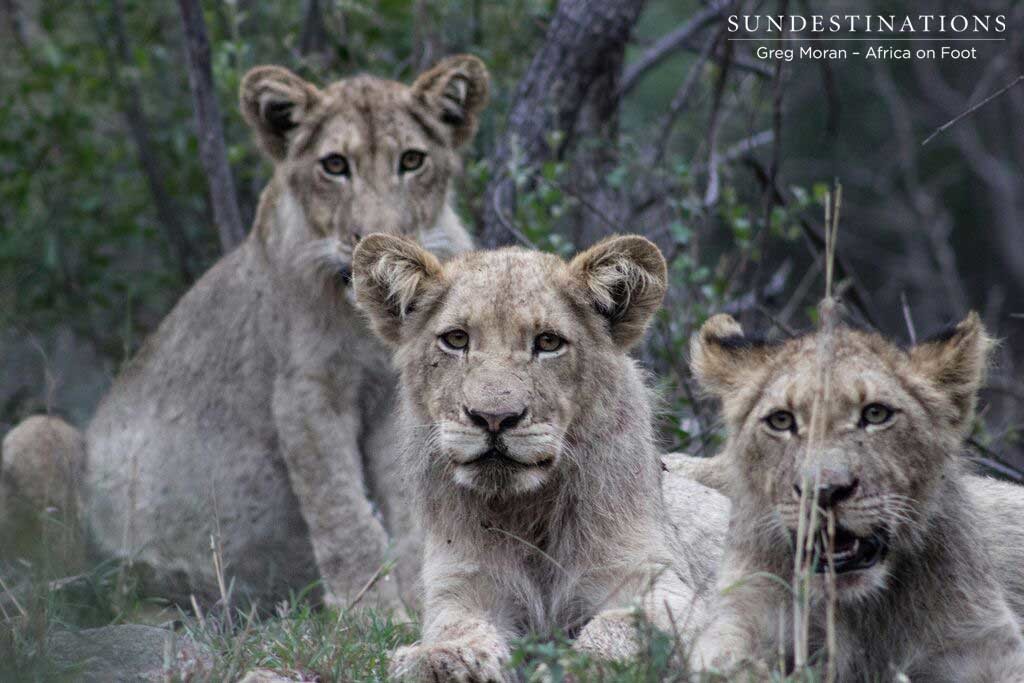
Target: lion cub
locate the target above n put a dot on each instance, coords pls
(530, 447)
(916, 588)
(259, 410)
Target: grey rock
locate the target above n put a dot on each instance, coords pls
(125, 653)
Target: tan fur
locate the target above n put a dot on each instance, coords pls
(41, 461)
(568, 531)
(937, 607)
(259, 411)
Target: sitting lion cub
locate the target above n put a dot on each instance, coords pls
(530, 444)
(259, 412)
(917, 591)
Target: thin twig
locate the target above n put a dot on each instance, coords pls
(198, 611)
(973, 109)
(668, 44)
(908, 319)
(740, 149)
(998, 468)
(1003, 466)
(712, 191)
(767, 196)
(800, 292)
(381, 571)
(513, 230)
(584, 202)
(14, 600)
(679, 102)
(858, 295)
(786, 329)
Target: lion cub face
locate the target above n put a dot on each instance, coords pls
(498, 348)
(870, 453)
(362, 154)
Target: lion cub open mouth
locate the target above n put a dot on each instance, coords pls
(850, 552)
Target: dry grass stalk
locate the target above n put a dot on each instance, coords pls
(13, 599)
(218, 568)
(809, 526)
(377, 575)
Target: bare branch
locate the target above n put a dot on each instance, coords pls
(711, 193)
(858, 296)
(669, 43)
(973, 109)
(679, 102)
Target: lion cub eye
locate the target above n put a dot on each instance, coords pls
(781, 421)
(411, 160)
(455, 340)
(547, 342)
(875, 414)
(334, 164)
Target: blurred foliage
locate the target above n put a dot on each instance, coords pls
(84, 246)
(82, 242)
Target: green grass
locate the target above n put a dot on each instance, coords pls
(295, 639)
(329, 645)
(314, 644)
(311, 644)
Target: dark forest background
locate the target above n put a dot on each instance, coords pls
(618, 116)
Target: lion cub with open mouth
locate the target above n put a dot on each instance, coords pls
(916, 588)
(530, 448)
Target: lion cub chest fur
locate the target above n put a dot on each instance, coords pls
(260, 410)
(916, 589)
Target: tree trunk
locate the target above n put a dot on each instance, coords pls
(168, 214)
(604, 208)
(314, 38)
(582, 41)
(210, 128)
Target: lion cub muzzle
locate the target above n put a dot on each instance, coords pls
(498, 450)
(854, 544)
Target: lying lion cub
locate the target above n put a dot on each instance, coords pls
(531, 449)
(916, 589)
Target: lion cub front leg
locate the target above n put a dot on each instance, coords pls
(466, 649)
(744, 633)
(464, 637)
(321, 450)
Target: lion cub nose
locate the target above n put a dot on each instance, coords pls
(495, 423)
(832, 494)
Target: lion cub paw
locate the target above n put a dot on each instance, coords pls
(461, 661)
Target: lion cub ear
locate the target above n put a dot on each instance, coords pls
(274, 101)
(625, 278)
(722, 359)
(956, 362)
(389, 275)
(455, 90)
